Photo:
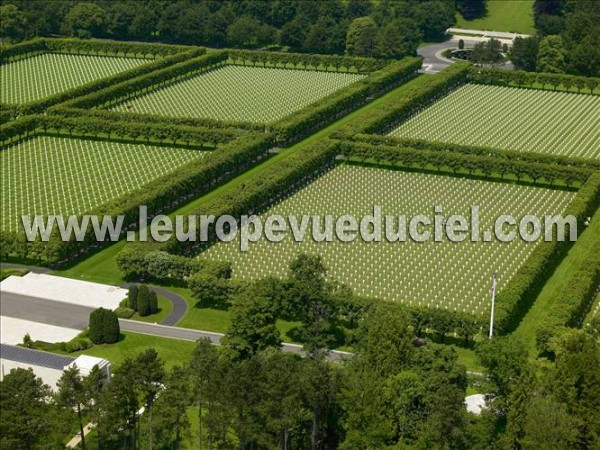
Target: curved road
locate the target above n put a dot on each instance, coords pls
(178, 302)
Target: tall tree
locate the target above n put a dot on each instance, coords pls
(24, 421)
(86, 20)
(203, 369)
(150, 376)
(397, 39)
(73, 394)
(13, 25)
(524, 53)
(551, 55)
(253, 322)
(360, 40)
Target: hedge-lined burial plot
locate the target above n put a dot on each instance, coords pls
(530, 120)
(41, 76)
(239, 93)
(455, 276)
(54, 175)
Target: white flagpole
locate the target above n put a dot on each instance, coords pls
(493, 304)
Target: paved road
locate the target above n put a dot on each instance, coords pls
(179, 304)
(41, 310)
(74, 316)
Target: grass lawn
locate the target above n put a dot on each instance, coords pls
(561, 277)
(514, 16)
(467, 358)
(172, 351)
(164, 309)
(218, 320)
(5, 273)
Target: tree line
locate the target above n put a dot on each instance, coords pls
(395, 391)
(382, 29)
(566, 39)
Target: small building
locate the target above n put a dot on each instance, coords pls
(48, 366)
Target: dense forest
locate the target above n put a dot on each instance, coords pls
(384, 29)
(567, 41)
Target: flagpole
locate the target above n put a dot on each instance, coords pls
(493, 304)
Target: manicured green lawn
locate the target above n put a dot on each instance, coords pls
(467, 358)
(218, 320)
(5, 273)
(514, 16)
(561, 277)
(172, 351)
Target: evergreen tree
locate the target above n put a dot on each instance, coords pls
(153, 301)
(143, 301)
(132, 295)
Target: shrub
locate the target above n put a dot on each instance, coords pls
(143, 301)
(132, 297)
(124, 312)
(78, 344)
(153, 302)
(104, 326)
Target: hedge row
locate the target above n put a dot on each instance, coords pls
(488, 166)
(274, 183)
(325, 111)
(149, 80)
(152, 118)
(8, 112)
(88, 47)
(287, 130)
(572, 301)
(138, 263)
(521, 78)
(476, 150)
(408, 101)
(516, 298)
(306, 61)
(161, 132)
(163, 194)
(94, 86)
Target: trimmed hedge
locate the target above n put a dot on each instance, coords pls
(163, 194)
(137, 132)
(407, 102)
(516, 298)
(151, 118)
(512, 155)
(307, 61)
(325, 111)
(454, 162)
(572, 301)
(94, 86)
(116, 92)
(521, 78)
(98, 47)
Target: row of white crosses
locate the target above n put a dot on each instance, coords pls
(240, 93)
(47, 74)
(49, 175)
(449, 275)
(519, 119)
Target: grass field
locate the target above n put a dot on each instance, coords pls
(241, 94)
(40, 76)
(445, 274)
(514, 16)
(172, 351)
(529, 120)
(52, 175)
